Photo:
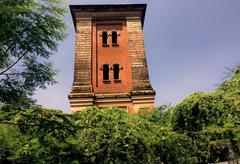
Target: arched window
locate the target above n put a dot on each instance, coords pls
(116, 71)
(114, 37)
(104, 37)
(105, 72)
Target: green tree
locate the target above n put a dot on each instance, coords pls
(112, 135)
(201, 110)
(212, 120)
(96, 135)
(29, 33)
(11, 141)
(162, 115)
(37, 135)
(230, 88)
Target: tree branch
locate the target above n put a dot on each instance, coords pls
(1, 73)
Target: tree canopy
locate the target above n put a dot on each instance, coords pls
(29, 35)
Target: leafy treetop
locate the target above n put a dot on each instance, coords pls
(29, 33)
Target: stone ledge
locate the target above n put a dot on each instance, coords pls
(80, 95)
(81, 89)
(143, 92)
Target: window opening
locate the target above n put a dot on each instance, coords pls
(114, 37)
(116, 71)
(104, 38)
(105, 72)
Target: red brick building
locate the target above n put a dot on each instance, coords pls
(110, 62)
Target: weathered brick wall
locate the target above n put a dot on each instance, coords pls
(83, 54)
(137, 54)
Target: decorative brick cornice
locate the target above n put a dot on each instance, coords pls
(120, 11)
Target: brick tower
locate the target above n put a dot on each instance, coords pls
(110, 62)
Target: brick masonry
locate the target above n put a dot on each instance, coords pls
(133, 91)
(137, 54)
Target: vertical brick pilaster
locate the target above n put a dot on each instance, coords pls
(83, 55)
(137, 54)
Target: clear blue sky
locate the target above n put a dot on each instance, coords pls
(188, 45)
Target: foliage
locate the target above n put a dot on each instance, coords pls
(162, 115)
(177, 148)
(217, 144)
(201, 110)
(44, 132)
(231, 88)
(10, 142)
(111, 135)
(48, 130)
(92, 136)
(107, 135)
(212, 120)
(29, 33)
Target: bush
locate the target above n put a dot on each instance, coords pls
(201, 110)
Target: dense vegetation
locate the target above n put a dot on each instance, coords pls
(205, 127)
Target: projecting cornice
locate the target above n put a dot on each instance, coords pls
(96, 12)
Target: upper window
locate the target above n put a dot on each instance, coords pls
(105, 72)
(114, 37)
(116, 71)
(104, 38)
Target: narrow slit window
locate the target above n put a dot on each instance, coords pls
(105, 72)
(116, 71)
(104, 38)
(114, 37)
